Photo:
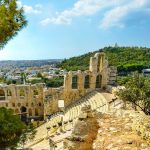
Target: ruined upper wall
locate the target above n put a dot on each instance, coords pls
(99, 73)
(78, 83)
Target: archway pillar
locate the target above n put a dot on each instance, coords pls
(92, 81)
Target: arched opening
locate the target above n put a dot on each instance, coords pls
(19, 104)
(40, 104)
(32, 104)
(35, 92)
(36, 112)
(22, 93)
(30, 112)
(2, 95)
(87, 82)
(23, 113)
(13, 104)
(9, 93)
(98, 81)
(75, 82)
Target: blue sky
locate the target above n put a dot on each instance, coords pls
(66, 28)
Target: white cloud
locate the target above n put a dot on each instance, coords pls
(80, 8)
(115, 15)
(30, 9)
(114, 11)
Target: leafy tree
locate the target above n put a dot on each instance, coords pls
(122, 80)
(28, 133)
(39, 75)
(126, 59)
(13, 130)
(137, 91)
(12, 20)
(54, 82)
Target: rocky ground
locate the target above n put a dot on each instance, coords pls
(122, 132)
(119, 130)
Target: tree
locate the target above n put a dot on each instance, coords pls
(13, 130)
(39, 75)
(137, 91)
(12, 20)
(28, 133)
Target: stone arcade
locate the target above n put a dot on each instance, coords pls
(38, 102)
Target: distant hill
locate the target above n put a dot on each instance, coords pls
(28, 63)
(126, 59)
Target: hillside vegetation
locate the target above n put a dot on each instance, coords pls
(126, 59)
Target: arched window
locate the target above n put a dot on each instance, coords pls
(2, 95)
(30, 112)
(22, 93)
(19, 104)
(32, 104)
(40, 104)
(87, 82)
(23, 109)
(9, 93)
(23, 113)
(75, 82)
(36, 112)
(98, 81)
(35, 92)
(13, 104)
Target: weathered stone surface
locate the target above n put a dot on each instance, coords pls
(84, 132)
(141, 125)
(115, 132)
(46, 101)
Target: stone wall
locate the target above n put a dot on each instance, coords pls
(77, 84)
(23, 98)
(37, 100)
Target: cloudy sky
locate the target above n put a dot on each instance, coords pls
(65, 28)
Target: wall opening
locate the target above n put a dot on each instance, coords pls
(87, 82)
(9, 93)
(22, 93)
(35, 93)
(75, 82)
(36, 112)
(40, 104)
(23, 113)
(2, 95)
(30, 112)
(99, 81)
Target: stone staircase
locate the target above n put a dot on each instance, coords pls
(57, 130)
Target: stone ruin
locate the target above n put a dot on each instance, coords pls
(38, 102)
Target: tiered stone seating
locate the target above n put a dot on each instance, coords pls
(95, 99)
